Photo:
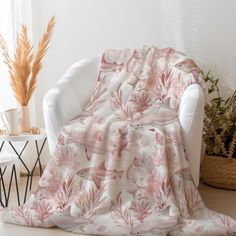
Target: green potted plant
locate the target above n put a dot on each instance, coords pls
(219, 135)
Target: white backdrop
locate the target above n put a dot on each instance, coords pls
(204, 30)
(12, 14)
(7, 98)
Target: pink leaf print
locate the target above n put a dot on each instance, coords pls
(42, 210)
(117, 98)
(95, 99)
(90, 202)
(160, 200)
(224, 222)
(141, 209)
(24, 213)
(121, 216)
(118, 105)
(66, 192)
(141, 102)
(178, 87)
(163, 190)
(131, 61)
(193, 199)
(121, 142)
(165, 186)
(163, 84)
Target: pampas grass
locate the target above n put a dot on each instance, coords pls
(25, 65)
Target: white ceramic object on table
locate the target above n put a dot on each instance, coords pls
(10, 119)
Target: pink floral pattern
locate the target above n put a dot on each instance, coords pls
(119, 168)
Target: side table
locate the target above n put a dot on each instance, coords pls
(26, 138)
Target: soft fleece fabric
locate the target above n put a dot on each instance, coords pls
(120, 167)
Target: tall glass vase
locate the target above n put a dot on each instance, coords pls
(24, 124)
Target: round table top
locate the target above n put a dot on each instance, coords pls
(23, 137)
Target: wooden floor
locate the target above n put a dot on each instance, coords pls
(220, 200)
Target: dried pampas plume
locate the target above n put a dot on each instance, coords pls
(24, 66)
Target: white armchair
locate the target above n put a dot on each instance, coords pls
(65, 101)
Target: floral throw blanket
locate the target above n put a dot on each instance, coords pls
(119, 168)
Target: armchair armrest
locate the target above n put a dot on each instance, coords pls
(191, 115)
(66, 100)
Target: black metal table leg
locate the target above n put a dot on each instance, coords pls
(1, 193)
(2, 186)
(13, 172)
(1, 203)
(30, 172)
(17, 188)
(2, 181)
(27, 169)
(2, 146)
(39, 151)
(1, 198)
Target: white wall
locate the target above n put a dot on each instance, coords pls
(204, 30)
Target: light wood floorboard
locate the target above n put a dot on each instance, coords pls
(220, 200)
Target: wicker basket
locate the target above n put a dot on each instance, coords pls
(219, 172)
